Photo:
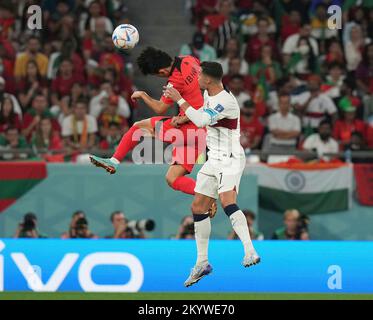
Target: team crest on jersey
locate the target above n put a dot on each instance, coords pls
(219, 108)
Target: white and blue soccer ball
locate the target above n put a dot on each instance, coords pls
(125, 37)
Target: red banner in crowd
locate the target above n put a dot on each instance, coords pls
(364, 183)
(17, 178)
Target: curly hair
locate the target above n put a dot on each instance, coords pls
(151, 60)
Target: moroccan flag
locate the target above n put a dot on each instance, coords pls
(17, 178)
(310, 188)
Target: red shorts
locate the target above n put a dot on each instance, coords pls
(188, 140)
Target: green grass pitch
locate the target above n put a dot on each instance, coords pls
(179, 296)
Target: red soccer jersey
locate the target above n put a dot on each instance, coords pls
(184, 78)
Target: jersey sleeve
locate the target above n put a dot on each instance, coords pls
(178, 84)
(215, 113)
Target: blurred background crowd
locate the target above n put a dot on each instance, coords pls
(301, 85)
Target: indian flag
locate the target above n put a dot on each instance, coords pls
(310, 188)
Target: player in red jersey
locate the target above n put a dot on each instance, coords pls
(182, 73)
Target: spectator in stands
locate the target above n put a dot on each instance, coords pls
(364, 72)
(358, 144)
(313, 105)
(79, 128)
(291, 24)
(63, 83)
(98, 102)
(343, 128)
(88, 23)
(231, 51)
(3, 94)
(199, 49)
(334, 52)
(109, 56)
(8, 117)
(111, 115)
(121, 229)
(284, 127)
(201, 9)
(12, 140)
(299, 51)
(31, 84)
(303, 61)
(121, 86)
(67, 52)
(251, 128)
(236, 67)
(32, 52)
(112, 136)
(220, 27)
(254, 46)
(39, 109)
(295, 227)
(78, 92)
(353, 48)
(186, 229)
(254, 233)
(334, 80)
(45, 137)
(237, 87)
(266, 69)
(28, 228)
(348, 91)
(319, 24)
(322, 141)
(7, 57)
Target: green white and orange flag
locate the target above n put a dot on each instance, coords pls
(17, 178)
(310, 188)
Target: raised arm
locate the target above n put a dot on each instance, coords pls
(157, 106)
(201, 118)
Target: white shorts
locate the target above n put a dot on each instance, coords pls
(216, 177)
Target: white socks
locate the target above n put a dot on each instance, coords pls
(239, 225)
(115, 160)
(202, 231)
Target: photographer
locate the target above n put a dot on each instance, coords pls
(120, 225)
(79, 227)
(295, 227)
(28, 227)
(186, 229)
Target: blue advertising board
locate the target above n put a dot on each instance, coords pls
(163, 265)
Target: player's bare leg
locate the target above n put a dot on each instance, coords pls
(228, 201)
(129, 140)
(177, 179)
(202, 228)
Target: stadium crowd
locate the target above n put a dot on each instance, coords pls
(299, 83)
(63, 87)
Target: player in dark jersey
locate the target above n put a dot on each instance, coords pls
(182, 73)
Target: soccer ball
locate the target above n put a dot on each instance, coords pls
(125, 37)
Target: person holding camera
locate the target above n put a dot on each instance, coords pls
(28, 227)
(124, 229)
(295, 227)
(186, 229)
(120, 225)
(79, 227)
